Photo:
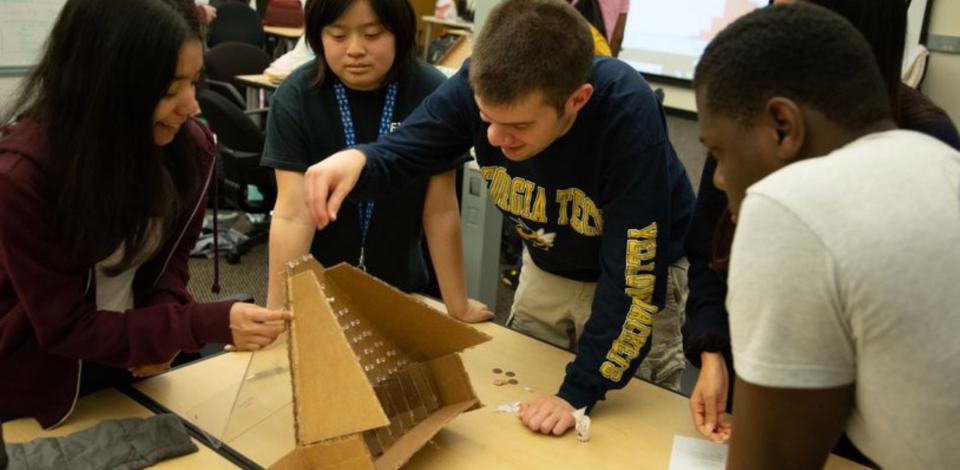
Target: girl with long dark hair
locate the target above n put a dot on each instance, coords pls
(103, 183)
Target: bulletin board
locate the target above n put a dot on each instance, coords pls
(24, 27)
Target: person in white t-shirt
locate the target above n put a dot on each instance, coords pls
(842, 288)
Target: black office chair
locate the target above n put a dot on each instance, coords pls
(226, 60)
(236, 22)
(240, 143)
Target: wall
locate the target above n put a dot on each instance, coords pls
(943, 70)
(8, 85)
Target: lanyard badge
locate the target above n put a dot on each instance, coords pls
(365, 209)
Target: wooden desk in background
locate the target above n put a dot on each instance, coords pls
(429, 21)
(284, 32)
(286, 39)
(633, 427)
(110, 404)
(255, 83)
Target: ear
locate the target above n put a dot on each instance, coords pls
(579, 98)
(790, 127)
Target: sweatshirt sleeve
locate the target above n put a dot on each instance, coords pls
(707, 326)
(637, 215)
(431, 140)
(54, 293)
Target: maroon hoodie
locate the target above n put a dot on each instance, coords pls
(49, 322)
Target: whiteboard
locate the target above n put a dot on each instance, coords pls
(666, 37)
(24, 27)
(917, 20)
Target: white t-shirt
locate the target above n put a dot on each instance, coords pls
(115, 293)
(846, 269)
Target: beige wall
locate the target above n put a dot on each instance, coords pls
(8, 86)
(942, 82)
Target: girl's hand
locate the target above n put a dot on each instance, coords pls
(476, 312)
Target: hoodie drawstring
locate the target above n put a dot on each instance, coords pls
(215, 288)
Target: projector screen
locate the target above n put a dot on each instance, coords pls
(666, 38)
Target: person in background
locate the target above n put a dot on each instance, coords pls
(364, 81)
(103, 181)
(842, 281)
(574, 148)
(590, 10)
(614, 21)
(706, 332)
(206, 13)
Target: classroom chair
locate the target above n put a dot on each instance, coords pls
(225, 61)
(240, 144)
(236, 22)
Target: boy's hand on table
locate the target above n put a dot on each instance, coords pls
(548, 414)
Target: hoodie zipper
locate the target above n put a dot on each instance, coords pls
(206, 186)
(183, 232)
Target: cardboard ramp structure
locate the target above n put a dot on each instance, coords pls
(375, 372)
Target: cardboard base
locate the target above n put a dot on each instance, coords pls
(390, 378)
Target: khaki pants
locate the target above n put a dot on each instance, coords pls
(555, 309)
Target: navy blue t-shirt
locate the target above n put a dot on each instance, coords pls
(609, 201)
(304, 127)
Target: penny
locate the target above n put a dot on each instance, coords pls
(510, 374)
(499, 382)
(498, 371)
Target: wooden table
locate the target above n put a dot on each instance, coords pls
(253, 84)
(429, 21)
(634, 426)
(284, 32)
(110, 404)
(286, 38)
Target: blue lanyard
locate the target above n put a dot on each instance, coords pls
(365, 209)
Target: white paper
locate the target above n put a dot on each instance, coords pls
(697, 454)
(582, 424)
(509, 407)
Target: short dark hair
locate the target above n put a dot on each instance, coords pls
(884, 24)
(529, 45)
(397, 16)
(799, 51)
(105, 67)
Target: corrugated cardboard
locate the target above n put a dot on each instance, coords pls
(352, 412)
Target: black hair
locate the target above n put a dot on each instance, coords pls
(884, 24)
(397, 16)
(532, 45)
(799, 51)
(105, 67)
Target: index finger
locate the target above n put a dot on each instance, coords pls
(265, 315)
(317, 189)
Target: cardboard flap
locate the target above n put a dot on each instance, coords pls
(451, 381)
(411, 442)
(344, 454)
(331, 394)
(416, 328)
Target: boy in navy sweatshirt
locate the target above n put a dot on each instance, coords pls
(575, 151)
